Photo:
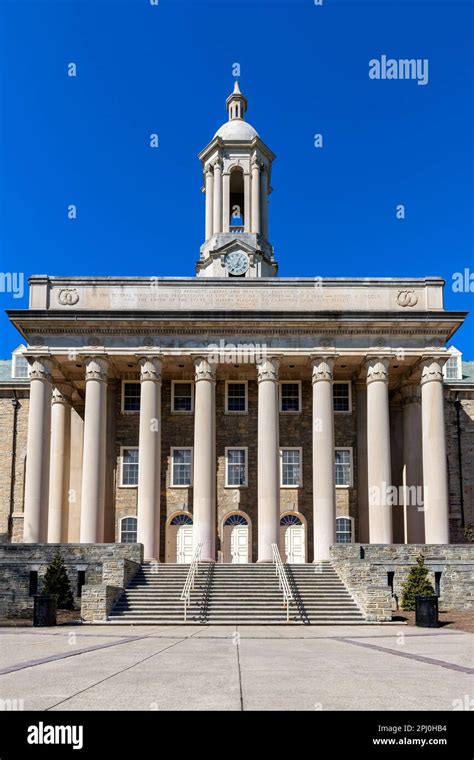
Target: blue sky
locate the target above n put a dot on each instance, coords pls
(167, 69)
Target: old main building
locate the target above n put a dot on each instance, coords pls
(235, 409)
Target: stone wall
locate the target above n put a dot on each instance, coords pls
(460, 435)
(364, 568)
(112, 564)
(15, 450)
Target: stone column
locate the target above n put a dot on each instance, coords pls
(378, 450)
(247, 179)
(268, 458)
(363, 488)
(35, 523)
(204, 469)
(226, 202)
(324, 488)
(93, 461)
(149, 457)
(209, 202)
(60, 461)
(255, 195)
(435, 472)
(413, 460)
(264, 203)
(217, 213)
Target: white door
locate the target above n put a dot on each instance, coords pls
(239, 543)
(184, 546)
(294, 544)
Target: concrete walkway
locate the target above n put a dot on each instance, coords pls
(229, 668)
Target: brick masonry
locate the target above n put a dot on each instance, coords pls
(364, 568)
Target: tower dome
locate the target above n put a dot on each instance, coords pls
(236, 128)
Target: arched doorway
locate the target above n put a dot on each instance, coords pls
(292, 539)
(179, 539)
(236, 535)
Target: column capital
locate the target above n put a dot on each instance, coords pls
(96, 368)
(432, 368)
(322, 368)
(150, 368)
(40, 368)
(218, 164)
(62, 394)
(209, 171)
(267, 369)
(204, 369)
(377, 368)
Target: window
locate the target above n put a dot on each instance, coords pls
(236, 397)
(341, 393)
(343, 530)
(181, 396)
(290, 467)
(128, 530)
(130, 396)
(290, 397)
(129, 459)
(181, 474)
(343, 459)
(236, 467)
(452, 370)
(19, 366)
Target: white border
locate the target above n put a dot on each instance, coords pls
(300, 399)
(340, 411)
(346, 517)
(181, 448)
(235, 382)
(351, 467)
(122, 398)
(126, 517)
(182, 411)
(240, 448)
(291, 448)
(121, 483)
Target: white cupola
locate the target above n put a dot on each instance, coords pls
(237, 169)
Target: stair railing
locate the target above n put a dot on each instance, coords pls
(189, 582)
(283, 584)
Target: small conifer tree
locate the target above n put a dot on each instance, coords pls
(56, 582)
(417, 583)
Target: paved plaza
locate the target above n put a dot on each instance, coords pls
(236, 668)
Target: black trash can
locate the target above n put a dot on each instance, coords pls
(45, 609)
(426, 611)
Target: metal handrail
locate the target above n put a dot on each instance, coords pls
(189, 582)
(283, 584)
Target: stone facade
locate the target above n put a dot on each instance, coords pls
(112, 565)
(364, 569)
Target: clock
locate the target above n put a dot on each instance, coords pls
(236, 263)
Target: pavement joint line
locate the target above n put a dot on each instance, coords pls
(119, 672)
(239, 670)
(408, 655)
(65, 655)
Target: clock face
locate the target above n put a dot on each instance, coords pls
(236, 262)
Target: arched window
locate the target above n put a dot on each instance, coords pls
(290, 520)
(344, 530)
(237, 199)
(181, 520)
(236, 520)
(128, 530)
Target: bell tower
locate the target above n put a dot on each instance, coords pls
(237, 169)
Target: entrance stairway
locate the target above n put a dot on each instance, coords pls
(236, 594)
